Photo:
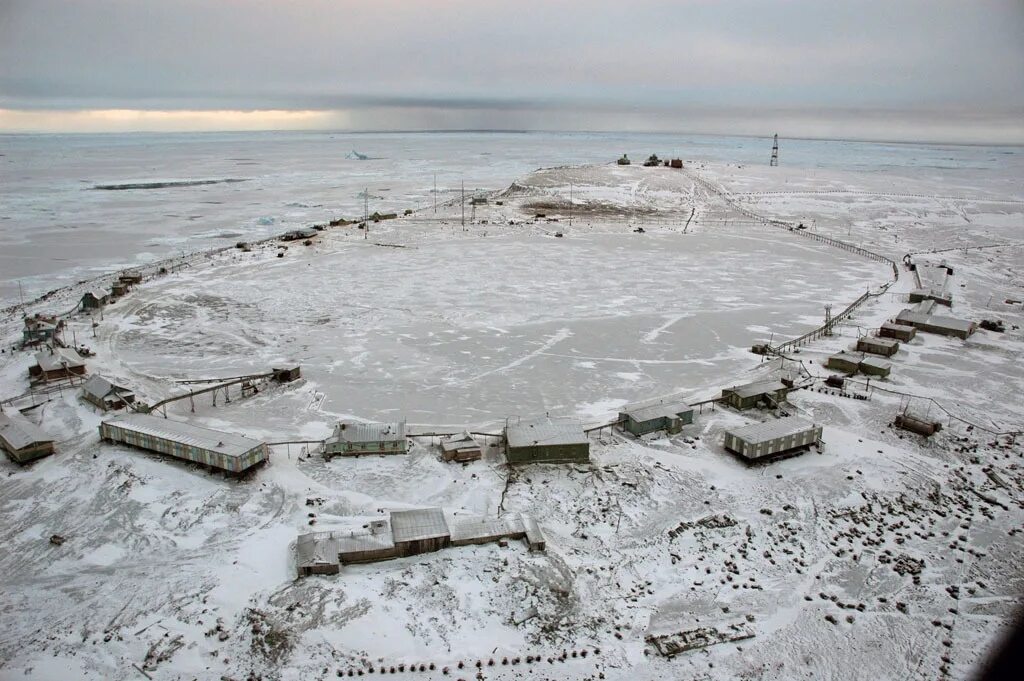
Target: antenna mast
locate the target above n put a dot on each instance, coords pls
(775, 151)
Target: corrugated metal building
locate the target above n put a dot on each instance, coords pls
(352, 438)
(216, 449)
(749, 395)
(872, 366)
(419, 531)
(56, 363)
(106, 395)
(902, 332)
(543, 440)
(876, 345)
(939, 324)
(21, 439)
(843, 361)
(763, 441)
(484, 530)
(642, 418)
(461, 448)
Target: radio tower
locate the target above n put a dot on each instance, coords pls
(775, 151)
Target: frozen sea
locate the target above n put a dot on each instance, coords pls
(57, 226)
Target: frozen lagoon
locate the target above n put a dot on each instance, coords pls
(471, 330)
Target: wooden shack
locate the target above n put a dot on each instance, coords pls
(54, 364)
(919, 295)
(106, 395)
(901, 332)
(93, 300)
(461, 448)
(23, 440)
(843, 361)
(317, 553)
(772, 439)
(938, 324)
(287, 375)
(352, 438)
(872, 366)
(747, 396)
(624, 161)
(543, 440)
(40, 328)
(419, 531)
(212, 448)
(876, 345)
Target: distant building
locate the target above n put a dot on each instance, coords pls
(352, 438)
(288, 374)
(543, 440)
(106, 395)
(299, 234)
(651, 416)
(21, 439)
(938, 324)
(130, 277)
(751, 394)
(772, 439)
(93, 300)
(873, 366)
(903, 332)
(624, 161)
(118, 289)
(461, 448)
(213, 448)
(876, 345)
(919, 295)
(846, 362)
(57, 363)
(419, 531)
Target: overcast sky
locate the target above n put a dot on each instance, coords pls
(894, 69)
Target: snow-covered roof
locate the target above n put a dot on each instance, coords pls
(879, 340)
(456, 443)
(316, 548)
(770, 430)
(652, 409)
(18, 432)
(97, 386)
(940, 321)
(544, 431)
(758, 388)
(358, 543)
(354, 431)
(218, 441)
(877, 363)
(59, 358)
(846, 357)
(468, 529)
(420, 523)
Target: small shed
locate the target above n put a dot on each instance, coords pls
(419, 531)
(843, 361)
(56, 363)
(317, 554)
(106, 395)
(902, 332)
(130, 277)
(23, 440)
(751, 394)
(214, 448)
(544, 440)
(462, 447)
(287, 375)
(118, 289)
(352, 438)
(373, 544)
(876, 345)
(772, 439)
(872, 366)
(648, 417)
(93, 300)
(624, 161)
(534, 535)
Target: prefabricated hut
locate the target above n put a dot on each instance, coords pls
(886, 347)
(352, 438)
(223, 451)
(93, 300)
(749, 395)
(420, 530)
(106, 395)
(939, 324)
(764, 441)
(902, 332)
(543, 440)
(846, 362)
(317, 553)
(649, 417)
(23, 440)
(873, 366)
(461, 448)
(56, 363)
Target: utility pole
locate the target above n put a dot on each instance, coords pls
(775, 151)
(435, 193)
(366, 212)
(828, 320)
(570, 204)
(463, 205)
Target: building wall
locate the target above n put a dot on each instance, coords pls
(574, 453)
(873, 371)
(841, 365)
(412, 548)
(867, 345)
(30, 453)
(185, 452)
(898, 333)
(772, 447)
(359, 448)
(645, 427)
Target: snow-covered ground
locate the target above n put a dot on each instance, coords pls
(885, 556)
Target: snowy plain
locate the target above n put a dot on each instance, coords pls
(462, 326)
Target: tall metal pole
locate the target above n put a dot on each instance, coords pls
(570, 204)
(463, 205)
(366, 212)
